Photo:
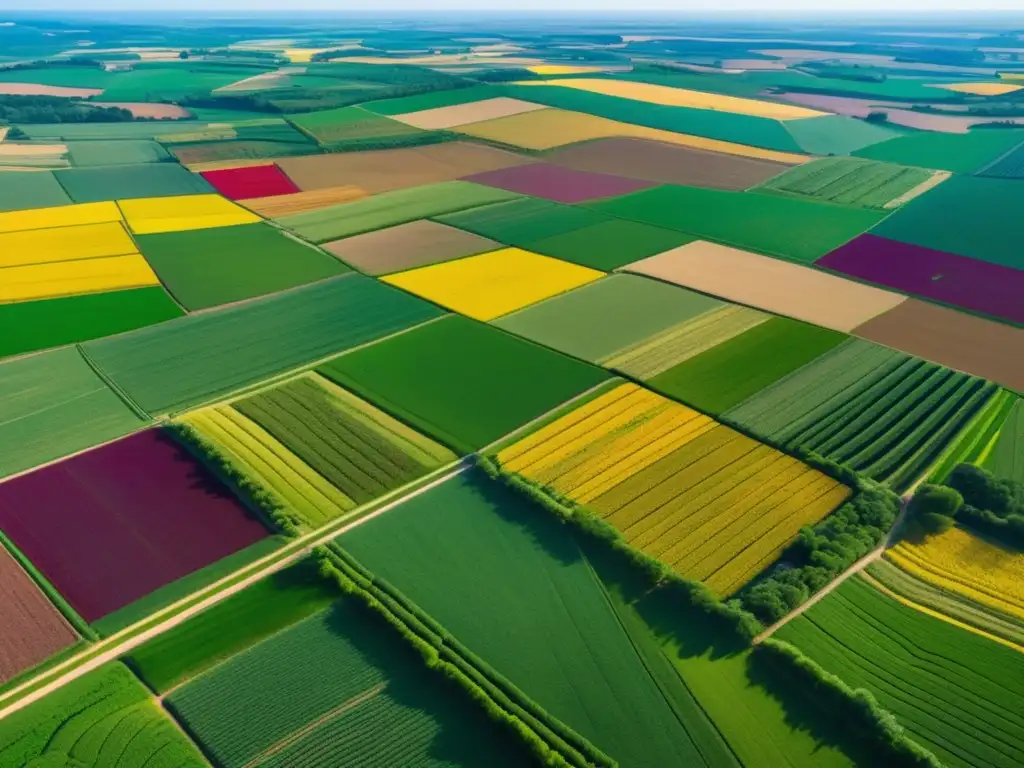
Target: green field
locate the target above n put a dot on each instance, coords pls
(55, 322)
(957, 152)
(174, 81)
(717, 379)
(105, 718)
(208, 152)
(127, 131)
(835, 134)
(89, 185)
(975, 443)
(32, 190)
(969, 216)
(521, 221)
(472, 385)
(53, 404)
(204, 268)
(952, 604)
(359, 449)
(1007, 457)
(884, 413)
(337, 688)
(1009, 166)
(546, 613)
(848, 181)
(958, 694)
(391, 208)
(610, 244)
(86, 154)
(69, 77)
(789, 228)
(335, 126)
(232, 625)
(194, 359)
(435, 100)
(600, 319)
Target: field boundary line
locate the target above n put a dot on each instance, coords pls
(125, 398)
(876, 584)
(126, 640)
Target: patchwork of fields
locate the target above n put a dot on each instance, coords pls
(418, 399)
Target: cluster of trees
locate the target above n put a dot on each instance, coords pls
(854, 72)
(991, 505)
(53, 109)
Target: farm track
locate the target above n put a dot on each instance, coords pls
(125, 641)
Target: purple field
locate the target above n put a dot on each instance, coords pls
(112, 525)
(553, 182)
(979, 286)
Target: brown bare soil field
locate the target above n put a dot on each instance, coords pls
(862, 107)
(142, 109)
(408, 246)
(388, 169)
(769, 284)
(276, 206)
(462, 114)
(666, 163)
(34, 89)
(31, 628)
(954, 339)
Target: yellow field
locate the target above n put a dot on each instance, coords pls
(1011, 76)
(550, 128)
(62, 216)
(682, 97)
(42, 246)
(302, 55)
(493, 284)
(262, 457)
(967, 565)
(982, 89)
(300, 202)
(709, 502)
(150, 215)
(69, 278)
(559, 69)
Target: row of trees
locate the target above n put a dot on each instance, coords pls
(54, 109)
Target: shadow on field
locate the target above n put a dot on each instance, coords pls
(464, 736)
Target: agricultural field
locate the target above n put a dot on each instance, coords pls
(709, 502)
(252, 181)
(886, 414)
(336, 687)
(142, 497)
(1006, 457)
(954, 692)
(455, 115)
(188, 361)
(474, 384)
(205, 268)
(850, 181)
(35, 190)
(153, 215)
(493, 284)
(337, 126)
(278, 206)
(90, 185)
(960, 153)
(555, 182)
(105, 718)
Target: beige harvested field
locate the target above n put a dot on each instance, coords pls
(681, 97)
(32, 150)
(34, 89)
(262, 82)
(954, 339)
(388, 169)
(300, 202)
(982, 89)
(461, 114)
(666, 163)
(899, 113)
(143, 109)
(31, 629)
(931, 182)
(769, 284)
(551, 128)
(407, 246)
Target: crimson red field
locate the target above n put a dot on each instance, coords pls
(112, 525)
(254, 181)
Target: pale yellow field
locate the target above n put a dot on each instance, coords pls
(1011, 75)
(70, 278)
(562, 69)
(982, 89)
(149, 215)
(967, 565)
(493, 284)
(463, 114)
(700, 497)
(302, 55)
(85, 241)
(550, 128)
(682, 97)
(61, 216)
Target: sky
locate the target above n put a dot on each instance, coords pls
(675, 7)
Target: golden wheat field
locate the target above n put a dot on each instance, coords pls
(151, 215)
(699, 496)
(967, 565)
(70, 278)
(84, 241)
(62, 216)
